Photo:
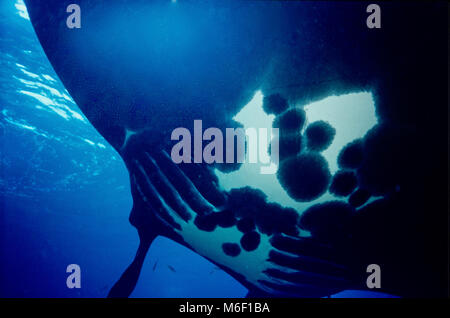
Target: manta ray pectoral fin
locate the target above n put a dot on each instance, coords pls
(127, 282)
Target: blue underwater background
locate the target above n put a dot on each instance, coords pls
(65, 195)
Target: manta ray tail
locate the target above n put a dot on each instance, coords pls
(127, 282)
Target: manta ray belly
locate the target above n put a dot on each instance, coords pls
(225, 247)
(241, 248)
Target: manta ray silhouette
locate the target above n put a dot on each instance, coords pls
(139, 69)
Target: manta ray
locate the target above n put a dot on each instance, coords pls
(139, 69)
